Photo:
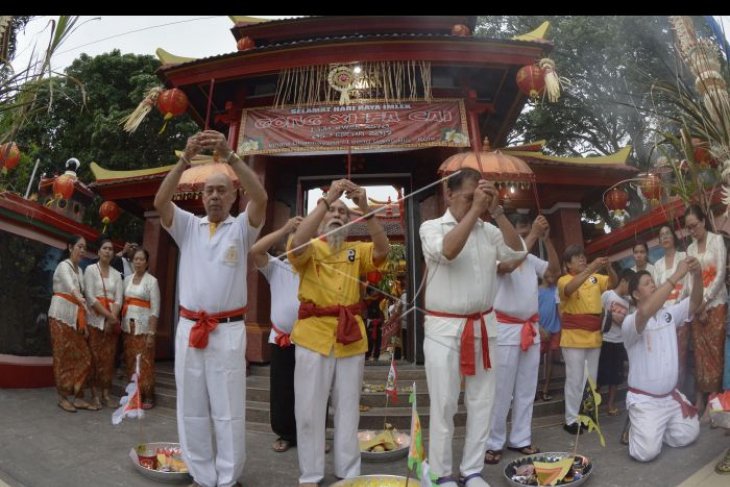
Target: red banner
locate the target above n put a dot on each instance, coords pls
(358, 126)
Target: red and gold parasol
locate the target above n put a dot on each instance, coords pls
(193, 179)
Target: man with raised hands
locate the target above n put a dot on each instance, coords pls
(329, 333)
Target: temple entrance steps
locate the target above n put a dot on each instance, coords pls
(257, 396)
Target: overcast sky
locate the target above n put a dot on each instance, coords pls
(193, 36)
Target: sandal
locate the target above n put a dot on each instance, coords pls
(544, 396)
(525, 450)
(614, 412)
(723, 466)
(66, 406)
(281, 445)
(81, 404)
(493, 457)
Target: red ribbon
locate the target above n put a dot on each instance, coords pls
(527, 334)
(348, 330)
(205, 323)
(281, 339)
(467, 361)
(688, 410)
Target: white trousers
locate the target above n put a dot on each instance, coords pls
(314, 376)
(211, 403)
(444, 386)
(575, 378)
(516, 384)
(658, 420)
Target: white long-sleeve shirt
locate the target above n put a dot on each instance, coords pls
(713, 260)
(94, 289)
(148, 290)
(662, 273)
(65, 280)
(467, 283)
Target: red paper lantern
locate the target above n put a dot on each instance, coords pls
(172, 103)
(109, 212)
(9, 155)
(616, 201)
(374, 277)
(63, 187)
(531, 80)
(651, 187)
(245, 43)
(460, 30)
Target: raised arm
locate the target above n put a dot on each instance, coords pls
(381, 247)
(580, 278)
(261, 247)
(258, 199)
(163, 198)
(456, 238)
(653, 303)
(307, 229)
(509, 234)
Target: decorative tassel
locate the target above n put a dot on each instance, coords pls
(132, 121)
(552, 82)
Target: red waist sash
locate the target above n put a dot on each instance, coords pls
(205, 323)
(570, 321)
(282, 338)
(527, 334)
(467, 362)
(348, 330)
(688, 410)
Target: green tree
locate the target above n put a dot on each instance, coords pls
(611, 63)
(83, 121)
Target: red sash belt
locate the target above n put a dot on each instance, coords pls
(282, 338)
(130, 301)
(570, 321)
(348, 330)
(80, 313)
(527, 334)
(688, 410)
(205, 323)
(467, 362)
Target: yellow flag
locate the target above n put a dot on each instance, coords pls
(588, 414)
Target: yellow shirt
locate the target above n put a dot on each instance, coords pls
(585, 300)
(326, 279)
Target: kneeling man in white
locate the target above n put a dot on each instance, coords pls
(659, 413)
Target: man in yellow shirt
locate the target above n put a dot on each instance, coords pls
(330, 334)
(580, 306)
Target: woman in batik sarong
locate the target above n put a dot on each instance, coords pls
(103, 291)
(708, 326)
(139, 323)
(67, 322)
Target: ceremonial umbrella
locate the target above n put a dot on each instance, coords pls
(512, 176)
(193, 179)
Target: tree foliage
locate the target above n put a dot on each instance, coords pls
(83, 121)
(611, 63)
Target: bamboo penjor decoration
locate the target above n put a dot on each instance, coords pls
(702, 57)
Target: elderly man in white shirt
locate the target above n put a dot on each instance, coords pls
(210, 341)
(657, 410)
(461, 253)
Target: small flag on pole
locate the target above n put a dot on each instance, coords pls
(391, 388)
(416, 453)
(588, 414)
(130, 406)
